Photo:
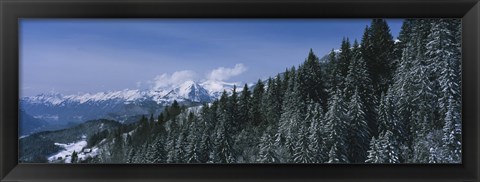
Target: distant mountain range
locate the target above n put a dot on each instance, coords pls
(125, 106)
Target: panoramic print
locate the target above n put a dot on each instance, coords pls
(146, 91)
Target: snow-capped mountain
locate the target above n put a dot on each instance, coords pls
(187, 91)
(120, 105)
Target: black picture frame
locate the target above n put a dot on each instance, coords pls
(12, 10)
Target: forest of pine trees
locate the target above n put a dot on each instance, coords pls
(377, 100)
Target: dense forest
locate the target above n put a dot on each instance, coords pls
(377, 100)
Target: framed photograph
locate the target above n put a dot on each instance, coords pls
(239, 90)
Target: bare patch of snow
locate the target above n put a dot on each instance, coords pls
(66, 153)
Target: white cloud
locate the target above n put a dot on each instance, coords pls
(222, 73)
(177, 78)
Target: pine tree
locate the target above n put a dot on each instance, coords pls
(442, 51)
(344, 57)
(222, 152)
(257, 98)
(335, 156)
(332, 73)
(452, 133)
(377, 50)
(273, 102)
(156, 152)
(302, 152)
(358, 79)
(359, 133)
(233, 124)
(267, 150)
(316, 132)
(291, 118)
(387, 119)
(383, 150)
(244, 106)
(74, 158)
(311, 83)
(337, 121)
(205, 148)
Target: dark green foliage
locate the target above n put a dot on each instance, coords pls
(311, 84)
(74, 157)
(96, 138)
(377, 50)
(256, 101)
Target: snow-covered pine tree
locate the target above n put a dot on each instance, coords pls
(194, 137)
(267, 147)
(337, 121)
(387, 121)
(383, 150)
(171, 143)
(358, 134)
(205, 147)
(302, 152)
(156, 152)
(335, 157)
(291, 118)
(222, 152)
(359, 79)
(332, 74)
(316, 132)
(311, 84)
(443, 51)
(452, 133)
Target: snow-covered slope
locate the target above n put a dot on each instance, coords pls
(187, 91)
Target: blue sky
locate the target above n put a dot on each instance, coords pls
(79, 56)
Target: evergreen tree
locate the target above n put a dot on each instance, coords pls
(358, 79)
(377, 50)
(74, 158)
(193, 143)
(156, 152)
(302, 152)
(337, 121)
(233, 124)
(267, 150)
(244, 106)
(444, 53)
(257, 98)
(222, 152)
(344, 57)
(291, 118)
(333, 78)
(316, 132)
(358, 131)
(273, 102)
(452, 133)
(311, 82)
(387, 119)
(383, 150)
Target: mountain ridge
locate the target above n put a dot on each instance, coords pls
(124, 105)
